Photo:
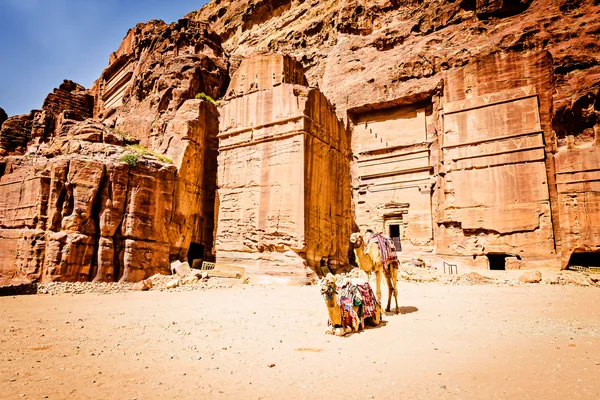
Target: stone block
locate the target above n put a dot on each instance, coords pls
(264, 72)
(144, 285)
(534, 276)
(286, 208)
(182, 269)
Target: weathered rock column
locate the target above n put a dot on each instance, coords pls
(498, 187)
(283, 175)
(578, 183)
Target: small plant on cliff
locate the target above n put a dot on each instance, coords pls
(163, 159)
(130, 159)
(138, 148)
(205, 97)
(123, 135)
(141, 150)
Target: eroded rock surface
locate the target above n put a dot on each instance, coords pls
(68, 102)
(284, 195)
(113, 198)
(74, 212)
(368, 52)
(157, 68)
(456, 111)
(470, 130)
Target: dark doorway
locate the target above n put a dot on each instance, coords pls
(196, 252)
(497, 261)
(585, 259)
(395, 235)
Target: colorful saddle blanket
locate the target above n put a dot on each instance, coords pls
(361, 296)
(387, 248)
(350, 318)
(369, 301)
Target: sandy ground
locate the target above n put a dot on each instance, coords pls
(256, 342)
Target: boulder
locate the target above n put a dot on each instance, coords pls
(534, 276)
(181, 269)
(196, 272)
(144, 285)
(172, 284)
(474, 277)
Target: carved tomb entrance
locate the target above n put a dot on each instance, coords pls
(393, 173)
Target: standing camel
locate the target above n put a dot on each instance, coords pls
(369, 258)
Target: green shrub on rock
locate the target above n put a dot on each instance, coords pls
(130, 159)
(205, 97)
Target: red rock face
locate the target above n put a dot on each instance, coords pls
(470, 131)
(70, 102)
(578, 184)
(364, 53)
(157, 68)
(86, 205)
(456, 111)
(84, 215)
(496, 121)
(60, 217)
(284, 195)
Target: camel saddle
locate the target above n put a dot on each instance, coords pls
(387, 248)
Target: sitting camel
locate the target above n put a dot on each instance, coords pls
(355, 305)
(369, 257)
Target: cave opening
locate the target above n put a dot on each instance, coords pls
(395, 235)
(585, 259)
(497, 261)
(195, 252)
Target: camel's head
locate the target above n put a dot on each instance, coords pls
(356, 239)
(327, 287)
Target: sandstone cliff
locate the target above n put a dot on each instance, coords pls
(466, 117)
(156, 69)
(120, 196)
(283, 174)
(364, 53)
(465, 129)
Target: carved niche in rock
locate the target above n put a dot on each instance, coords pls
(393, 172)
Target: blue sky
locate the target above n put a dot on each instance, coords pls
(43, 42)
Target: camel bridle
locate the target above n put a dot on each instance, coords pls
(359, 242)
(328, 294)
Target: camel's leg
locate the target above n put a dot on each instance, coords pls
(394, 273)
(340, 331)
(388, 279)
(377, 317)
(378, 284)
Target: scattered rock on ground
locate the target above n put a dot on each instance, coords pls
(474, 277)
(534, 276)
(196, 272)
(83, 287)
(181, 269)
(143, 285)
